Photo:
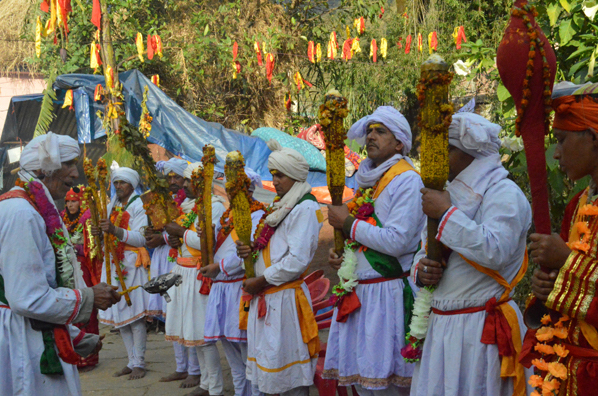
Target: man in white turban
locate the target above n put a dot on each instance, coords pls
(186, 316)
(187, 365)
(222, 316)
(282, 336)
(369, 323)
(484, 218)
(125, 223)
(42, 291)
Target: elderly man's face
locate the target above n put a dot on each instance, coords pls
(189, 190)
(123, 190)
(175, 182)
(61, 180)
(458, 161)
(381, 144)
(282, 183)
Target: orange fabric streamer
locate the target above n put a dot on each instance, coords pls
(311, 52)
(374, 50)
(258, 52)
(347, 54)
(408, 44)
(269, 66)
(575, 113)
(420, 42)
(151, 47)
(235, 50)
(96, 14)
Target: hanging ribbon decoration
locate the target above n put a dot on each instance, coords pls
(44, 6)
(332, 46)
(98, 94)
(432, 42)
(318, 53)
(298, 81)
(311, 55)
(68, 100)
(156, 80)
(408, 44)
(381, 12)
(347, 53)
(158, 41)
(355, 47)
(38, 36)
(359, 25)
(288, 102)
(420, 43)
(269, 66)
(236, 64)
(139, 44)
(96, 14)
(399, 43)
(459, 36)
(348, 32)
(256, 47)
(109, 77)
(151, 47)
(383, 47)
(95, 61)
(374, 50)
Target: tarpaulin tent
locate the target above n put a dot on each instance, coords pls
(173, 128)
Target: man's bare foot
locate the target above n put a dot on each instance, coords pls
(191, 382)
(198, 392)
(137, 373)
(86, 369)
(122, 372)
(176, 376)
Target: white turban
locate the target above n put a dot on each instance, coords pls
(390, 118)
(190, 168)
(175, 165)
(256, 180)
(127, 175)
(474, 135)
(287, 161)
(48, 152)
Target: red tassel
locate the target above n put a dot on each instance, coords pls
(96, 14)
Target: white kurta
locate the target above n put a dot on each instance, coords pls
(454, 361)
(160, 266)
(366, 349)
(222, 315)
(27, 264)
(121, 314)
(277, 358)
(185, 320)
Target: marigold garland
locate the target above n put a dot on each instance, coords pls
(120, 218)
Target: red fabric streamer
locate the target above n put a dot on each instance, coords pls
(461, 36)
(96, 14)
(151, 44)
(408, 44)
(44, 6)
(347, 49)
(434, 41)
(258, 52)
(381, 12)
(269, 66)
(399, 43)
(311, 52)
(235, 50)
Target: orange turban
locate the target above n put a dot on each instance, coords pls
(575, 113)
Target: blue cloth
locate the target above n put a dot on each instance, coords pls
(312, 155)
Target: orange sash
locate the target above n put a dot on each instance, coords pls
(502, 320)
(400, 167)
(305, 314)
(143, 257)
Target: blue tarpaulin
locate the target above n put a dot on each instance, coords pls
(173, 128)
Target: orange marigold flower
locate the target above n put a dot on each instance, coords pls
(545, 349)
(558, 370)
(536, 381)
(540, 364)
(580, 246)
(560, 332)
(545, 319)
(535, 393)
(529, 73)
(588, 210)
(560, 350)
(545, 333)
(550, 388)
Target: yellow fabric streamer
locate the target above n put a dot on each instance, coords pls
(383, 47)
(318, 53)
(38, 37)
(93, 59)
(68, 99)
(140, 48)
(355, 47)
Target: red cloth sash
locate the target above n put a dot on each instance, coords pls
(229, 281)
(206, 284)
(582, 353)
(350, 303)
(496, 327)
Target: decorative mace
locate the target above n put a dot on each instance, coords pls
(332, 114)
(237, 188)
(434, 119)
(208, 160)
(198, 183)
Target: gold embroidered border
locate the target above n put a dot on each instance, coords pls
(368, 383)
(589, 293)
(580, 279)
(126, 322)
(184, 342)
(561, 286)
